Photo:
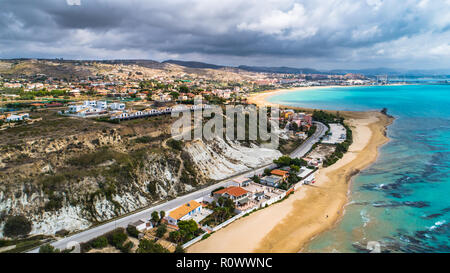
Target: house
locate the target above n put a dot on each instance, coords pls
(75, 92)
(308, 119)
(184, 212)
(288, 114)
(301, 135)
(259, 195)
(24, 115)
(283, 174)
(90, 103)
(119, 115)
(117, 106)
(272, 180)
(18, 117)
(237, 194)
(102, 104)
(142, 225)
(241, 181)
(75, 108)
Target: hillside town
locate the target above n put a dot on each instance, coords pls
(121, 85)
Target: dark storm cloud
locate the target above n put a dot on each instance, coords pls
(371, 32)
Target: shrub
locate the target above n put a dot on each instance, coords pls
(143, 139)
(99, 242)
(146, 246)
(175, 144)
(126, 248)
(151, 187)
(132, 231)
(117, 237)
(161, 230)
(17, 226)
(48, 248)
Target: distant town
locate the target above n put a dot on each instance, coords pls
(129, 90)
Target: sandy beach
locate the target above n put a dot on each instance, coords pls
(289, 225)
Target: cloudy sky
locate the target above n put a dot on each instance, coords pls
(321, 34)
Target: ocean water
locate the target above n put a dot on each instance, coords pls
(402, 201)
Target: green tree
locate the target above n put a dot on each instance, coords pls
(161, 230)
(17, 226)
(162, 214)
(184, 89)
(132, 231)
(295, 168)
(99, 242)
(175, 236)
(190, 226)
(175, 95)
(283, 161)
(256, 179)
(117, 237)
(155, 216)
(221, 201)
(126, 248)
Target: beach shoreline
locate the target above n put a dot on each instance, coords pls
(261, 98)
(288, 226)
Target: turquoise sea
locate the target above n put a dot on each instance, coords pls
(403, 200)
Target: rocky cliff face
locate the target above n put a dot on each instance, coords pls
(74, 181)
(220, 159)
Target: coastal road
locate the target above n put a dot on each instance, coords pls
(89, 234)
(307, 145)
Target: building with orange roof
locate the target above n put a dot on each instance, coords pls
(280, 173)
(236, 194)
(184, 212)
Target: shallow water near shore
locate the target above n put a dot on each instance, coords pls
(401, 201)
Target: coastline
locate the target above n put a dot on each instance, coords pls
(289, 225)
(260, 98)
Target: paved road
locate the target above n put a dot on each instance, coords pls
(307, 145)
(89, 234)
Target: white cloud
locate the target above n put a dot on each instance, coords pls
(375, 4)
(73, 2)
(365, 34)
(277, 22)
(441, 50)
(291, 32)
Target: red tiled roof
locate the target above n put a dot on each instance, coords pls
(279, 172)
(233, 191)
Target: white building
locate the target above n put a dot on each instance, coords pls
(142, 225)
(117, 106)
(184, 212)
(17, 117)
(88, 108)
